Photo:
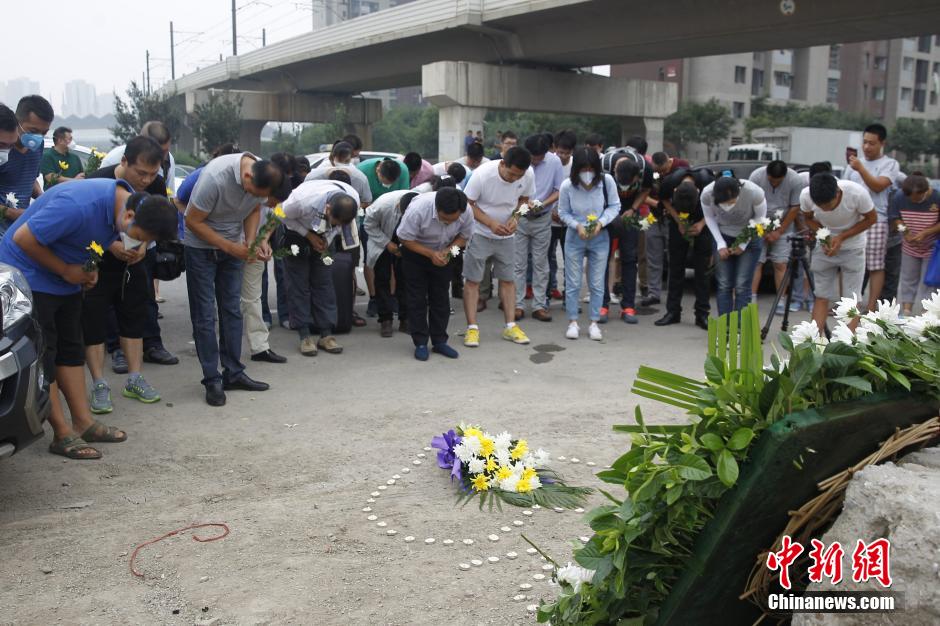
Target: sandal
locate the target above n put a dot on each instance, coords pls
(99, 433)
(358, 321)
(71, 447)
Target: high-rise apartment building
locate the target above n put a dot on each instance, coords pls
(885, 79)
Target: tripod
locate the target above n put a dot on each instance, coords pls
(797, 259)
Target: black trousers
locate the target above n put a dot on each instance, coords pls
(701, 255)
(387, 265)
(428, 299)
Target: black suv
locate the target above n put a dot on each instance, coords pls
(24, 394)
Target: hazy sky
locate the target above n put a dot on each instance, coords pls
(104, 41)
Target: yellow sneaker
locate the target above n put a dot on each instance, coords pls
(472, 338)
(515, 335)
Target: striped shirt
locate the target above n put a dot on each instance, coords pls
(916, 217)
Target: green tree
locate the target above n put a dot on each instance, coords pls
(698, 122)
(142, 107)
(407, 129)
(767, 115)
(217, 121)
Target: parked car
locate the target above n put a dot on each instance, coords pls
(24, 397)
(318, 157)
(743, 169)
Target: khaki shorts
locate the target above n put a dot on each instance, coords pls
(481, 249)
(826, 269)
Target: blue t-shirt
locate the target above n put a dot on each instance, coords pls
(183, 193)
(17, 175)
(65, 219)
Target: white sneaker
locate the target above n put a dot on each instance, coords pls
(573, 331)
(594, 332)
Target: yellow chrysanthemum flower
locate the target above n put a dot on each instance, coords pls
(651, 218)
(472, 431)
(491, 464)
(683, 216)
(480, 482)
(503, 473)
(519, 451)
(64, 165)
(279, 212)
(523, 485)
(528, 473)
(96, 248)
(591, 218)
(760, 230)
(487, 447)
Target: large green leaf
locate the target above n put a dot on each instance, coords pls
(727, 468)
(740, 439)
(856, 382)
(693, 467)
(712, 441)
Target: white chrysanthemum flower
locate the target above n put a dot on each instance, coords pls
(477, 465)
(455, 251)
(823, 233)
(774, 224)
(847, 309)
(805, 331)
(843, 334)
(462, 452)
(535, 482)
(901, 227)
(917, 327)
(932, 304)
(502, 455)
(523, 209)
(473, 444)
(509, 484)
(866, 330)
(328, 261)
(11, 200)
(541, 457)
(574, 575)
(887, 312)
(294, 249)
(502, 441)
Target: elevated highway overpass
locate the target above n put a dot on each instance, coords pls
(469, 54)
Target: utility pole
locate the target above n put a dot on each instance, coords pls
(148, 72)
(264, 40)
(234, 33)
(172, 54)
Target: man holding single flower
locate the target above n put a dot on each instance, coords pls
(839, 212)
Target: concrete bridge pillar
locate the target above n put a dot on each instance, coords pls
(249, 136)
(464, 91)
(453, 124)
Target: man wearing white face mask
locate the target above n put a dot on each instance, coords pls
(729, 204)
(123, 283)
(18, 174)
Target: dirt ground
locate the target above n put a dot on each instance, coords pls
(291, 470)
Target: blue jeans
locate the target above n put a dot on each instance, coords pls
(734, 276)
(281, 283)
(214, 282)
(596, 251)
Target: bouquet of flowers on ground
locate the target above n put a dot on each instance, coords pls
(95, 254)
(499, 468)
(592, 224)
(270, 223)
(94, 161)
(453, 253)
(281, 253)
(824, 236)
(755, 229)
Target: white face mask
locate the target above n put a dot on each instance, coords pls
(4, 156)
(129, 242)
(586, 178)
(727, 206)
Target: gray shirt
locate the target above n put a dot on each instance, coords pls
(219, 193)
(358, 180)
(380, 223)
(883, 166)
(783, 196)
(750, 205)
(421, 224)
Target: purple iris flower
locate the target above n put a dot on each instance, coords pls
(446, 459)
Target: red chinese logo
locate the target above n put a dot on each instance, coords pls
(827, 562)
(872, 561)
(789, 552)
(869, 561)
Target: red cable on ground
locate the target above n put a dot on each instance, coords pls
(176, 532)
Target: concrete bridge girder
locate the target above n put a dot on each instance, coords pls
(465, 90)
